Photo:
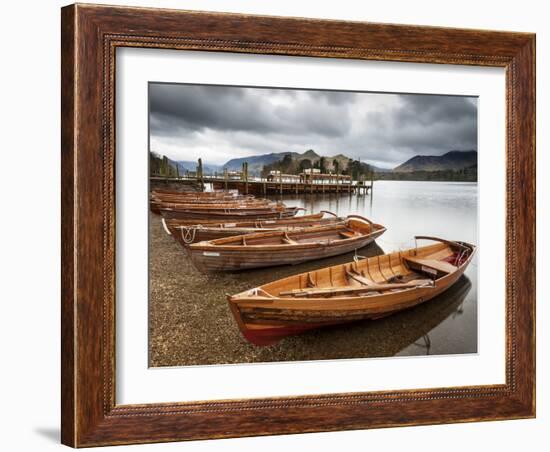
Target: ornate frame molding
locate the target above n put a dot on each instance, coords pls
(90, 37)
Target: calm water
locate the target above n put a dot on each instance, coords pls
(444, 325)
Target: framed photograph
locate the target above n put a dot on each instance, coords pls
(282, 225)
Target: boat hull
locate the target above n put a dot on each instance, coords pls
(187, 234)
(222, 216)
(206, 259)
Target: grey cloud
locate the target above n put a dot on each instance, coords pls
(198, 107)
(193, 107)
(430, 109)
(239, 121)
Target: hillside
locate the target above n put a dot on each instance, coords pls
(256, 163)
(335, 164)
(453, 161)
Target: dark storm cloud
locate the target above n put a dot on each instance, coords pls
(195, 108)
(187, 121)
(198, 107)
(428, 124)
(428, 110)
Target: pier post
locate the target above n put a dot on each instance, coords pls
(225, 177)
(245, 175)
(280, 182)
(199, 175)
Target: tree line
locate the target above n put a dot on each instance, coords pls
(288, 165)
(162, 166)
(468, 174)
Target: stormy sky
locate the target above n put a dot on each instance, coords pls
(218, 123)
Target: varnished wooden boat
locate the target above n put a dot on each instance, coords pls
(224, 215)
(186, 234)
(172, 225)
(159, 199)
(198, 194)
(363, 289)
(208, 203)
(212, 201)
(267, 249)
(197, 205)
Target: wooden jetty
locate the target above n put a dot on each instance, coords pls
(307, 182)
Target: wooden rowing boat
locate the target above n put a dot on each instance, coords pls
(192, 192)
(267, 249)
(171, 226)
(224, 215)
(185, 233)
(158, 193)
(207, 206)
(212, 203)
(159, 199)
(362, 289)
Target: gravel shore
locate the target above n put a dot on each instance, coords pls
(190, 322)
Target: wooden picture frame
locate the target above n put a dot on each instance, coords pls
(90, 36)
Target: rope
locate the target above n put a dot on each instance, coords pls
(256, 292)
(188, 234)
(458, 258)
(357, 256)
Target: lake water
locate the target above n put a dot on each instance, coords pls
(441, 209)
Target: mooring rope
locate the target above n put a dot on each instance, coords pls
(257, 290)
(188, 234)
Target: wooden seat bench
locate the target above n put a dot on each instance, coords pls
(438, 266)
(347, 234)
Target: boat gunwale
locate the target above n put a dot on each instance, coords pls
(210, 244)
(441, 284)
(205, 226)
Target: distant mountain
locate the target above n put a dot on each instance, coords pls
(256, 162)
(309, 154)
(377, 169)
(453, 160)
(207, 168)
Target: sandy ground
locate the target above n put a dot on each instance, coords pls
(190, 322)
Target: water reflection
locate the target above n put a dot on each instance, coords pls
(406, 333)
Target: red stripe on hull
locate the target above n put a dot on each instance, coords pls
(270, 336)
